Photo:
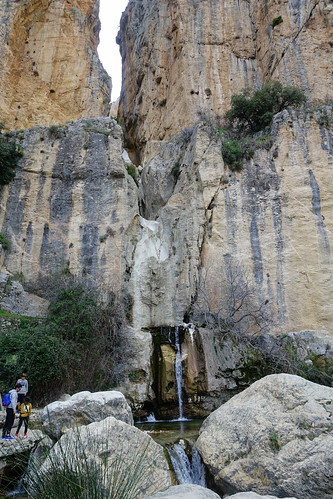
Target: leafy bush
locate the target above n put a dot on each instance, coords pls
(276, 21)
(4, 241)
(131, 170)
(233, 153)
(253, 110)
(10, 153)
(55, 131)
(274, 441)
(81, 345)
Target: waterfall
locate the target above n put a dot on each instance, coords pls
(151, 418)
(179, 374)
(191, 330)
(186, 470)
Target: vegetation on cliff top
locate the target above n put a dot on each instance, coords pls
(251, 112)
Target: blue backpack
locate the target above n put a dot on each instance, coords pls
(6, 400)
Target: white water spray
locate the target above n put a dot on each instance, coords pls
(186, 470)
(151, 418)
(191, 330)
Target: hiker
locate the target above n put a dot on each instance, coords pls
(25, 387)
(10, 412)
(25, 410)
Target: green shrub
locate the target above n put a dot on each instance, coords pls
(324, 119)
(253, 110)
(10, 153)
(81, 345)
(274, 441)
(78, 469)
(276, 21)
(55, 131)
(131, 170)
(4, 241)
(233, 154)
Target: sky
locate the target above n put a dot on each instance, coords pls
(110, 14)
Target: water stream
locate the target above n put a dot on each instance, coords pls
(179, 437)
(179, 375)
(188, 469)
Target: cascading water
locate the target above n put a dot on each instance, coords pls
(179, 374)
(151, 418)
(191, 330)
(187, 470)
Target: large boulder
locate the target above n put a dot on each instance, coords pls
(253, 495)
(276, 437)
(185, 491)
(83, 408)
(110, 455)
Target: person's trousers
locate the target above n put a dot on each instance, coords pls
(10, 417)
(25, 421)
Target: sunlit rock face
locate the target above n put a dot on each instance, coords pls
(72, 204)
(188, 57)
(273, 219)
(74, 207)
(49, 68)
(273, 438)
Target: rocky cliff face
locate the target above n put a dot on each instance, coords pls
(71, 203)
(170, 239)
(272, 218)
(185, 57)
(49, 69)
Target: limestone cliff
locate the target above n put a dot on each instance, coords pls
(71, 203)
(49, 69)
(273, 218)
(185, 57)
(167, 238)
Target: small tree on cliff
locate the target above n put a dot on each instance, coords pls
(253, 110)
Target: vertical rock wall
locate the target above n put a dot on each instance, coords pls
(273, 219)
(185, 57)
(49, 68)
(71, 204)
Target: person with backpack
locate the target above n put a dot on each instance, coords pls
(25, 387)
(10, 412)
(25, 409)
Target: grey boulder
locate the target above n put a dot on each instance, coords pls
(123, 460)
(84, 408)
(275, 437)
(185, 491)
(253, 495)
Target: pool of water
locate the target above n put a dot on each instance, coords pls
(169, 432)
